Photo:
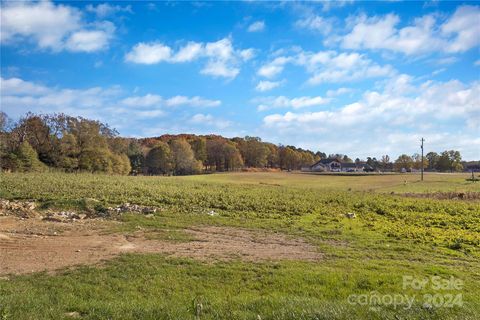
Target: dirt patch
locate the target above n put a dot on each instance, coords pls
(34, 245)
(445, 195)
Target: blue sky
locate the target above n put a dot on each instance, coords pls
(354, 77)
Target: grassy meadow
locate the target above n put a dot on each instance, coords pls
(392, 236)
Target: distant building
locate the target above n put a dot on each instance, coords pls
(334, 165)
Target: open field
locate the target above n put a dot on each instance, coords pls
(239, 246)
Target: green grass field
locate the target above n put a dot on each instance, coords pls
(393, 236)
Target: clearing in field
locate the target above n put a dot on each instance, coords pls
(237, 246)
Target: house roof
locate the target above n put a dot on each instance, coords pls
(349, 165)
(326, 161)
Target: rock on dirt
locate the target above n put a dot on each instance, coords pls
(27, 209)
(23, 209)
(350, 215)
(63, 216)
(127, 207)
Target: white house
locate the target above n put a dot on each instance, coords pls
(333, 165)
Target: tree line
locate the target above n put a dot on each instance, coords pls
(39, 142)
(42, 142)
(446, 161)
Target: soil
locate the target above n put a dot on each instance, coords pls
(32, 245)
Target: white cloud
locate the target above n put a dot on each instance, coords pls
(189, 52)
(381, 33)
(450, 109)
(274, 67)
(477, 63)
(89, 102)
(222, 59)
(209, 120)
(464, 26)
(104, 9)
(328, 5)
(150, 100)
(110, 104)
(220, 69)
(328, 66)
(149, 53)
(16, 86)
(142, 101)
(338, 92)
(263, 86)
(458, 34)
(192, 101)
(268, 103)
(88, 41)
(50, 26)
(446, 60)
(221, 49)
(256, 26)
(247, 54)
(315, 23)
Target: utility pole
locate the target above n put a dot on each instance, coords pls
(422, 156)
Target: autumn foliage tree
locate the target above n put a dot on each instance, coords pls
(36, 142)
(183, 158)
(159, 159)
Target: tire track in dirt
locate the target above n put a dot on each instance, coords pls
(33, 245)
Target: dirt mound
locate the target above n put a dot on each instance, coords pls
(35, 245)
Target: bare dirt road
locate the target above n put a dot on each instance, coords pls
(32, 245)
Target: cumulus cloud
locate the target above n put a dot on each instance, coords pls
(315, 23)
(274, 67)
(91, 40)
(222, 59)
(464, 27)
(209, 120)
(256, 26)
(17, 86)
(89, 102)
(406, 107)
(149, 53)
(328, 5)
(458, 34)
(191, 101)
(150, 100)
(112, 104)
(142, 101)
(247, 54)
(339, 92)
(105, 9)
(188, 53)
(328, 66)
(54, 27)
(268, 103)
(263, 86)
(334, 67)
